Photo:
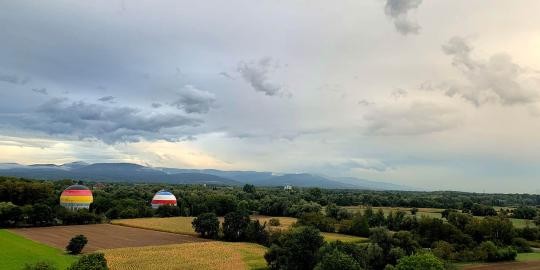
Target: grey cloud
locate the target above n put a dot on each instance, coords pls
(42, 91)
(496, 79)
(414, 119)
(398, 10)
(78, 119)
(193, 100)
(156, 105)
(14, 79)
(226, 75)
(256, 74)
(107, 99)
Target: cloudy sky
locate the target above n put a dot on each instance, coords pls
(432, 94)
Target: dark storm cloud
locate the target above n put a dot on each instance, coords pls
(256, 74)
(496, 79)
(398, 10)
(82, 120)
(193, 100)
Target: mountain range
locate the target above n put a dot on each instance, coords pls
(129, 172)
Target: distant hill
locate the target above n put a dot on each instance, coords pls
(129, 172)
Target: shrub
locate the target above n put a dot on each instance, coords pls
(207, 225)
(420, 261)
(76, 244)
(95, 261)
(40, 266)
(274, 222)
(521, 245)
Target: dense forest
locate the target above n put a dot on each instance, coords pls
(473, 227)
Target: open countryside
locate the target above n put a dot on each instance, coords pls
(270, 135)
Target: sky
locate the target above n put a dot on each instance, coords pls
(441, 95)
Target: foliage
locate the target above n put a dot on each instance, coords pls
(337, 260)
(256, 232)
(317, 220)
(425, 261)
(521, 245)
(94, 261)
(168, 211)
(76, 244)
(207, 225)
(295, 249)
(235, 225)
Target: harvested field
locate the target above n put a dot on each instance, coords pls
(103, 236)
(207, 255)
(530, 265)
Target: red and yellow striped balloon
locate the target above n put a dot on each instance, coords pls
(76, 197)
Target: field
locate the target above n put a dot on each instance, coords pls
(206, 255)
(103, 236)
(524, 261)
(16, 251)
(182, 225)
(343, 237)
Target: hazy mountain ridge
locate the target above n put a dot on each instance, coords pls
(129, 172)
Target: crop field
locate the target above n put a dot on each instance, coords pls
(16, 251)
(204, 255)
(103, 236)
(524, 261)
(182, 225)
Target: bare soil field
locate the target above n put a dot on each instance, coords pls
(531, 265)
(104, 236)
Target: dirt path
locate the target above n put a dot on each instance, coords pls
(534, 265)
(103, 236)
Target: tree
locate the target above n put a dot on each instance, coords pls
(207, 225)
(414, 210)
(94, 261)
(359, 226)
(317, 220)
(537, 221)
(248, 188)
(168, 211)
(234, 226)
(295, 249)
(256, 232)
(337, 260)
(420, 261)
(76, 244)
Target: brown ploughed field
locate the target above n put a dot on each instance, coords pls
(103, 236)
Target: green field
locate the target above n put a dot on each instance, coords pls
(527, 257)
(343, 238)
(16, 251)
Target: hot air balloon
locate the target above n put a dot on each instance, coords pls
(163, 197)
(76, 197)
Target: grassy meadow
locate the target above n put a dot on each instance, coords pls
(16, 251)
(204, 256)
